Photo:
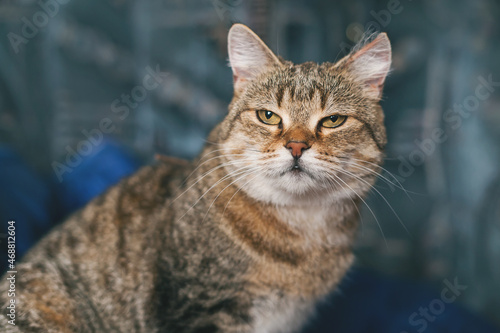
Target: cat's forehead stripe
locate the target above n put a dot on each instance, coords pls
(301, 82)
(280, 91)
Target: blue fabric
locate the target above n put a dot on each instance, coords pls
(38, 203)
(366, 303)
(107, 164)
(25, 198)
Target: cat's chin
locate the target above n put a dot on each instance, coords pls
(292, 187)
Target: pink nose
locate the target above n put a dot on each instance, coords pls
(296, 148)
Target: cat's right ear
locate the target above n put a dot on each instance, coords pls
(370, 65)
(248, 55)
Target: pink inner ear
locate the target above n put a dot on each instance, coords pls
(371, 64)
(240, 75)
(376, 83)
(248, 55)
(376, 86)
(238, 80)
(241, 78)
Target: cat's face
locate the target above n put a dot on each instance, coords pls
(303, 133)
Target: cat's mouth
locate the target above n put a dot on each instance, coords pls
(296, 169)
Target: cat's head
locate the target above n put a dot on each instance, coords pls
(303, 133)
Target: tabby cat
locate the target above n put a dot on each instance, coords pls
(249, 236)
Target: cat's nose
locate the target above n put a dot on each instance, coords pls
(296, 148)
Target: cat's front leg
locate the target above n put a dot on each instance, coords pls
(41, 303)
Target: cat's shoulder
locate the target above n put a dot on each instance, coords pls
(172, 162)
(143, 191)
(160, 177)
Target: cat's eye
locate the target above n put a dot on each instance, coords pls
(333, 121)
(268, 117)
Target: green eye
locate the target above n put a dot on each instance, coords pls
(268, 117)
(333, 121)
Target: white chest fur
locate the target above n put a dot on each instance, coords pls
(318, 224)
(281, 314)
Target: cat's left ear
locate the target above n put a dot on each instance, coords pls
(370, 65)
(248, 55)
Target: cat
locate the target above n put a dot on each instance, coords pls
(246, 238)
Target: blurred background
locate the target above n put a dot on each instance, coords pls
(150, 76)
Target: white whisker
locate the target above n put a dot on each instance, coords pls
(348, 173)
(336, 183)
(239, 189)
(236, 162)
(227, 176)
(256, 169)
(367, 206)
(400, 186)
(210, 159)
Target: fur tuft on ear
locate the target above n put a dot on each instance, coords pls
(370, 64)
(248, 55)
